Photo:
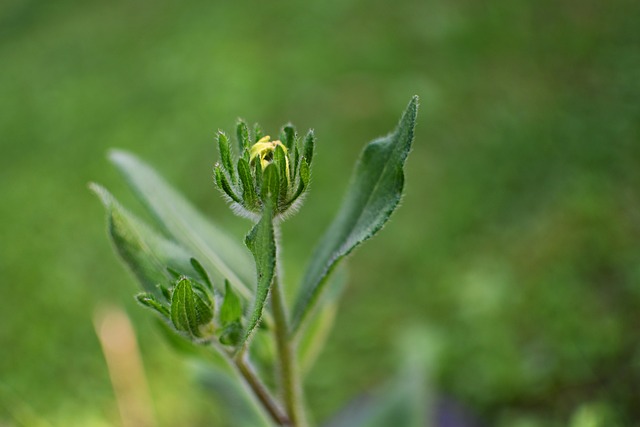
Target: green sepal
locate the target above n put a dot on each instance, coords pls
(257, 132)
(280, 159)
(249, 195)
(309, 146)
(189, 310)
(231, 309)
(288, 136)
(261, 242)
(296, 160)
(225, 155)
(270, 186)
(174, 273)
(202, 273)
(223, 184)
(242, 134)
(148, 300)
(257, 172)
(165, 292)
(305, 177)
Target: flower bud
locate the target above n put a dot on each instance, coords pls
(248, 186)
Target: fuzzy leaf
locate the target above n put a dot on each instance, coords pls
(145, 252)
(202, 273)
(224, 185)
(309, 145)
(280, 160)
(149, 301)
(372, 196)
(222, 255)
(248, 190)
(225, 155)
(288, 136)
(242, 134)
(305, 177)
(189, 311)
(261, 242)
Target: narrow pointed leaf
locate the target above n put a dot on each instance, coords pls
(225, 155)
(296, 160)
(372, 196)
(248, 189)
(242, 134)
(231, 310)
(165, 293)
(202, 273)
(305, 177)
(309, 146)
(224, 185)
(149, 301)
(221, 255)
(257, 171)
(288, 136)
(145, 252)
(261, 243)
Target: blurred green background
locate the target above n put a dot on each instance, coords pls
(516, 246)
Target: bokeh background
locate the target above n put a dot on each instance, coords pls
(516, 248)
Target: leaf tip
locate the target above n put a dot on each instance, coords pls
(103, 194)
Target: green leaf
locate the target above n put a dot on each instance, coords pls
(145, 252)
(231, 310)
(261, 242)
(189, 311)
(202, 273)
(225, 155)
(309, 145)
(248, 190)
(372, 196)
(222, 255)
(242, 134)
(224, 185)
(149, 301)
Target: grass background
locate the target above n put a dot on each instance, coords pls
(516, 247)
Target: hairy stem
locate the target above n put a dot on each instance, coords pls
(290, 380)
(260, 391)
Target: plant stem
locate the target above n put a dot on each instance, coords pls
(260, 390)
(290, 380)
